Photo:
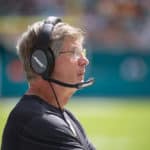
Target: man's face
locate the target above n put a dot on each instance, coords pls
(71, 62)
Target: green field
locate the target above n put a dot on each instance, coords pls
(111, 124)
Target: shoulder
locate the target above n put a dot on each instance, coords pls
(48, 131)
(31, 114)
(47, 125)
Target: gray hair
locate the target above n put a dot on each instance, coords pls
(27, 41)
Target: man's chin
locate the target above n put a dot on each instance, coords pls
(81, 78)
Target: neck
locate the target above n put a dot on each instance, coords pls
(43, 89)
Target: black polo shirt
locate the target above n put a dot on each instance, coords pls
(36, 125)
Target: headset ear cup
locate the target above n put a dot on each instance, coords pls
(51, 64)
(42, 59)
(42, 62)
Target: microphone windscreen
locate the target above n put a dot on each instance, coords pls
(89, 82)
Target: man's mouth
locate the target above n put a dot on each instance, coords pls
(81, 73)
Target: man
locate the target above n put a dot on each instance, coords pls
(54, 62)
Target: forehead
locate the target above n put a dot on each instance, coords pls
(70, 42)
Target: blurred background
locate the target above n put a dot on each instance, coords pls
(115, 110)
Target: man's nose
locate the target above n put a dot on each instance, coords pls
(83, 61)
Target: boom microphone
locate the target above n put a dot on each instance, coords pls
(79, 85)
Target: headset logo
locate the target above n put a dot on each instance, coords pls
(39, 62)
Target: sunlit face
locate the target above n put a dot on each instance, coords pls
(71, 62)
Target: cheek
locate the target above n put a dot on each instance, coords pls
(68, 64)
(70, 68)
(72, 65)
(66, 68)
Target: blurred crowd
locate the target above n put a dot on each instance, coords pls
(119, 24)
(115, 25)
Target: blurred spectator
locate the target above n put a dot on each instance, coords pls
(114, 23)
(142, 37)
(31, 7)
(110, 24)
(50, 7)
(16, 7)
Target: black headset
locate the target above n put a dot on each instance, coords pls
(42, 59)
